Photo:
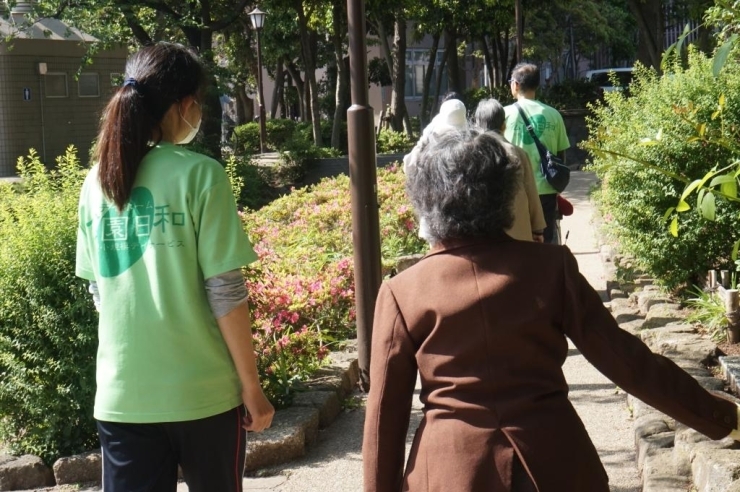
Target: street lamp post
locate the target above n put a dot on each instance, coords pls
(258, 21)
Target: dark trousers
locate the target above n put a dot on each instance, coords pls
(550, 210)
(144, 457)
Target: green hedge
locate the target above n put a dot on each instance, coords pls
(657, 124)
(48, 325)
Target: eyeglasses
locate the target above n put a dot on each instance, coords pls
(513, 80)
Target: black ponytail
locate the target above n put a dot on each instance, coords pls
(157, 76)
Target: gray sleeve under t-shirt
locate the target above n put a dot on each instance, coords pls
(225, 292)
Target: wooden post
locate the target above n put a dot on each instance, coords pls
(730, 298)
(724, 276)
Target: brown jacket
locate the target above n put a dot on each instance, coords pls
(485, 323)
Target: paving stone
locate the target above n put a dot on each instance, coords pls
(647, 446)
(714, 470)
(626, 315)
(617, 294)
(79, 468)
(662, 314)
(660, 475)
(326, 402)
(24, 472)
(648, 297)
(685, 441)
(731, 370)
(680, 342)
(633, 326)
(622, 304)
(286, 440)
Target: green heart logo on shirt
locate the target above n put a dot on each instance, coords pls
(124, 235)
(539, 122)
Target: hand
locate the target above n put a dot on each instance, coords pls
(538, 238)
(259, 411)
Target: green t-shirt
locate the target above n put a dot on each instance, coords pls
(550, 129)
(161, 356)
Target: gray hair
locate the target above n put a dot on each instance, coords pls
(463, 185)
(490, 115)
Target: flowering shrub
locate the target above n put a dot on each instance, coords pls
(302, 290)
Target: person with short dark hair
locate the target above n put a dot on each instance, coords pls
(548, 126)
(162, 245)
(482, 320)
(529, 222)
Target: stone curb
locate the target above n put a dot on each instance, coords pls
(293, 430)
(670, 456)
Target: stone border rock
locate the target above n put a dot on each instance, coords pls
(670, 456)
(293, 430)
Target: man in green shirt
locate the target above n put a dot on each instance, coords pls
(549, 127)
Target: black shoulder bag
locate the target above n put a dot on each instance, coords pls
(552, 167)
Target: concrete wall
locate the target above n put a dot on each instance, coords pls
(46, 124)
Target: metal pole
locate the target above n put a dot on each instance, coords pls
(263, 127)
(363, 181)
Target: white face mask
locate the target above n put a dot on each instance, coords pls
(193, 129)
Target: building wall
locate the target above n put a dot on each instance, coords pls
(47, 124)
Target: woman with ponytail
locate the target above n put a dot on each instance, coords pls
(162, 245)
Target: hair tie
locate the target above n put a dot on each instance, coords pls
(133, 82)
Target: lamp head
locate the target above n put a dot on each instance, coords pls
(258, 18)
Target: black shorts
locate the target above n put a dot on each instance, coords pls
(144, 457)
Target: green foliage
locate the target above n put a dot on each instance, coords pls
(652, 150)
(246, 137)
(392, 142)
(249, 182)
(708, 310)
(48, 325)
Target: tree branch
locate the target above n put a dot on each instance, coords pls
(226, 22)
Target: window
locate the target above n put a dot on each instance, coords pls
(88, 85)
(417, 61)
(56, 84)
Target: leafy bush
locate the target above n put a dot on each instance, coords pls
(302, 289)
(251, 184)
(246, 137)
(48, 325)
(392, 142)
(659, 126)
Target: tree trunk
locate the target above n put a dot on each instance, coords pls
(453, 63)
(649, 17)
(295, 74)
(385, 48)
(308, 48)
(487, 60)
(244, 106)
(424, 116)
(340, 110)
(398, 101)
(277, 92)
(439, 79)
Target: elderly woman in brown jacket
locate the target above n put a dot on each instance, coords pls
(484, 319)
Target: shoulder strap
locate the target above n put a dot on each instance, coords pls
(530, 128)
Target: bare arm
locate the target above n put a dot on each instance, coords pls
(236, 328)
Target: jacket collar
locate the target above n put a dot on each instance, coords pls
(451, 244)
